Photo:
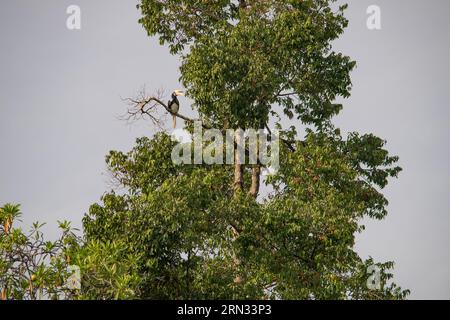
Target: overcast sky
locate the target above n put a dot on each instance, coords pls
(60, 98)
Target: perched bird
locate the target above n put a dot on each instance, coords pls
(174, 105)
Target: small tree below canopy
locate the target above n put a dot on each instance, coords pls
(199, 232)
(32, 268)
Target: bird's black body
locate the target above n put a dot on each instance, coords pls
(174, 104)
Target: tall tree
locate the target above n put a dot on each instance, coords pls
(201, 231)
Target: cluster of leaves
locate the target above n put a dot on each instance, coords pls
(107, 271)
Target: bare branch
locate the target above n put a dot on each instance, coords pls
(144, 107)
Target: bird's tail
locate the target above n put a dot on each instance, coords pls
(174, 121)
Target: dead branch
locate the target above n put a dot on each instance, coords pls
(143, 107)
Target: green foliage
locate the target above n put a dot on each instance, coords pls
(241, 61)
(107, 271)
(300, 238)
(186, 231)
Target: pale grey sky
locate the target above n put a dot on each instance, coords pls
(61, 95)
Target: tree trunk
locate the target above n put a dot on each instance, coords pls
(238, 186)
(238, 163)
(256, 181)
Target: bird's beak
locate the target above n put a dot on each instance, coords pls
(179, 93)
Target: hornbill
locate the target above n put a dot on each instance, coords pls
(174, 105)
